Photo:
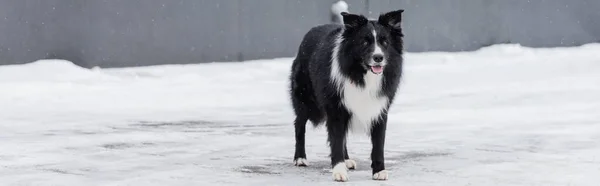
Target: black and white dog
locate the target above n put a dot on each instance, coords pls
(346, 75)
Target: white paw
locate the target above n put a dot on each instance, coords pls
(301, 162)
(340, 172)
(350, 164)
(381, 175)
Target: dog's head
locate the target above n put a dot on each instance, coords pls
(374, 44)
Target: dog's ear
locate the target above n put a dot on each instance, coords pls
(392, 20)
(353, 20)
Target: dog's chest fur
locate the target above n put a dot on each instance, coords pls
(364, 103)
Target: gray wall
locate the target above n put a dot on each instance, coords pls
(114, 33)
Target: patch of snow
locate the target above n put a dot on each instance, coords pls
(502, 115)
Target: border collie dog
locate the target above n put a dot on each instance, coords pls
(346, 76)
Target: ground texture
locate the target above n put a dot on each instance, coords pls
(502, 115)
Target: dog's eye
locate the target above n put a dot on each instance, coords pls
(383, 41)
(366, 41)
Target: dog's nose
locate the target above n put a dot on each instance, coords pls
(378, 58)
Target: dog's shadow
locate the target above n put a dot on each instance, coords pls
(323, 166)
(280, 167)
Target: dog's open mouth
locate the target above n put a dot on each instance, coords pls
(377, 69)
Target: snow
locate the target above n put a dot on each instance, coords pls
(502, 115)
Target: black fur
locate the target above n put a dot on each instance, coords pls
(316, 98)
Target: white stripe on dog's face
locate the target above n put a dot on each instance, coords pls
(376, 45)
(377, 50)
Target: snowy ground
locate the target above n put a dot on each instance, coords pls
(503, 115)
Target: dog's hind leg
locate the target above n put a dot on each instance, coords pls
(300, 155)
(350, 164)
(337, 127)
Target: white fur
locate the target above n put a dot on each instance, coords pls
(336, 9)
(336, 76)
(377, 50)
(350, 164)
(376, 45)
(301, 162)
(340, 172)
(339, 7)
(381, 175)
(364, 103)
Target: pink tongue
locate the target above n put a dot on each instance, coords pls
(377, 69)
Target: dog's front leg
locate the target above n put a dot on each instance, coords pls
(337, 127)
(378, 141)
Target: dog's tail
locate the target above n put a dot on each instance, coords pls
(336, 9)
